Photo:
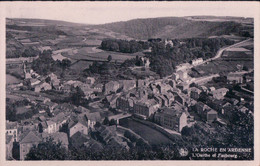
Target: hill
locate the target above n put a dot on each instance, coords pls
(40, 22)
(177, 27)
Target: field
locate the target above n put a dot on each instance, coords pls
(152, 136)
(14, 97)
(21, 110)
(101, 56)
(81, 65)
(11, 79)
(220, 66)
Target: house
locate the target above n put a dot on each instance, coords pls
(168, 42)
(111, 86)
(154, 88)
(171, 118)
(232, 101)
(204, 89)
(41, 118)
(78, 139)
(175, 76)
(172, 83)
(141, 83)
(183, 66)
(66, 88)
(90, 80)
(43, 99)
(34, 81)
(146, 62)
(206, 112)
(60, 120)
(9, 140)
(77, 126)
(242, 108)
(165, 101)
(51, 105)
(182, 98)
(197, 61)
(212, 115)
(145, 108)
(81, 109)
(57, 137)
(109, 135)
(98, 88)
(183, 86)
(93, 118)
(183, 75)
(29, 126)
(11, 129)
(164, 88)
(42, 87)
(158, 100)
(219, 93)
(236, 77)
(215, 104)
(47, 126)
(87, 91)
(127, 84)
(211, 89)
(195, 93)
(111, 100)
(170, 97)
(28, 140)
(227, 110)
(124, 103)
(66, 107)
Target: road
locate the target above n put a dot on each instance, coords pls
(205, 79)
(219, 53)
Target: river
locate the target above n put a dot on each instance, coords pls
(153, 136)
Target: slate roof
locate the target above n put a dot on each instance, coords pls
(11, 125)
(171, 112)
(78, 139)
(82, 109)
(59, 118)
(49, 122)
(211, 111)
(95, 116)
(8, 138)
(42, 118)
(31, 137)
(58, 137)
(75, 120)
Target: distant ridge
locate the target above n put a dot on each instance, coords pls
(179, 27)
(43, 21)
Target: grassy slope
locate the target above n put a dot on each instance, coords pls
(171, 27)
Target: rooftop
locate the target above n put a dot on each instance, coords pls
(11, 125)
(30, 137)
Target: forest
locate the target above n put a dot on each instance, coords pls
(124, 46)
(165, 58)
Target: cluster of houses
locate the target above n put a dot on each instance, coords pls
(67, 121)
(167, 102)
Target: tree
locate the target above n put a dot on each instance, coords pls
(65, 63)
(77, 96)
(109, 58)
(106, 121)
(112, 122)
(48, 150)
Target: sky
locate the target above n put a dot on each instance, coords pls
(106, 12)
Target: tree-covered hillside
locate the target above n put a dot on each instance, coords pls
(175, 27)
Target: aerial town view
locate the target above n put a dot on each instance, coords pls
(166, 88)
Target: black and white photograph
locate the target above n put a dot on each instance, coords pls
(129, 81)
